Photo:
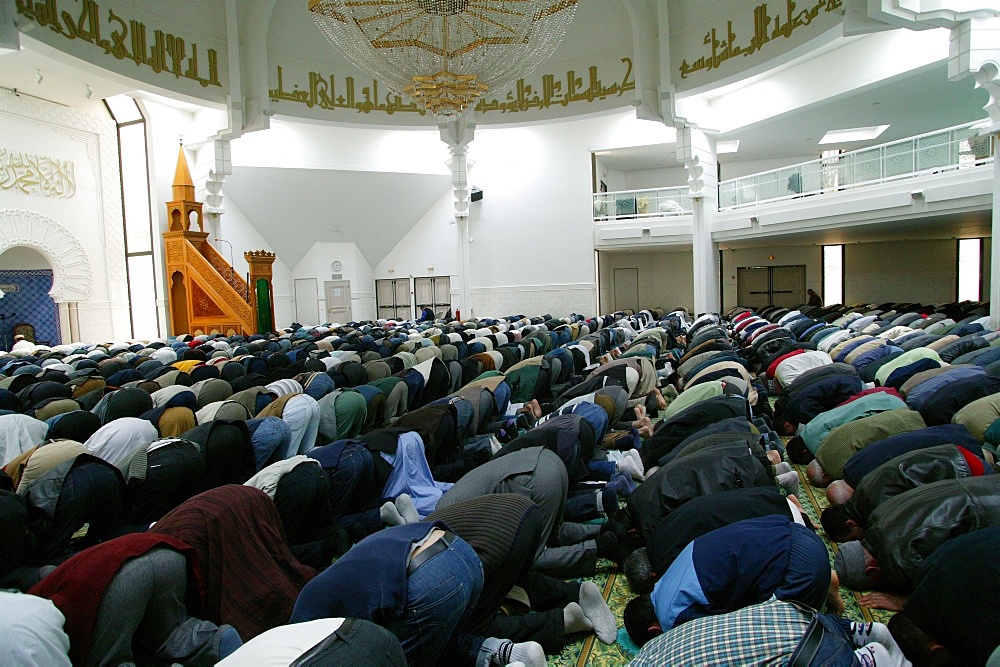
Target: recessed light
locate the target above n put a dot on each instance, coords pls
(853, 134)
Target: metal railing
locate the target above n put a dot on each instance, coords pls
(943, 150)
(637, 204)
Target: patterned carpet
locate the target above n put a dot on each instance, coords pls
(587, 650)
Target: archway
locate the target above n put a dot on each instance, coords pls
(42, 242)
(25, 280)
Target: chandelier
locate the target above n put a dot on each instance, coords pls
(445, 54)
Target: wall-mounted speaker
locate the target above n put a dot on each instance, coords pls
(476, 194)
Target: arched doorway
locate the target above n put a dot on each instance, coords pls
(26, 280)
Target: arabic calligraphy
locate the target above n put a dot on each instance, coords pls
(766, 29)
(322, 91)
(128, 39)
(34, 174)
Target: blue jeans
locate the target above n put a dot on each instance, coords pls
(441, 594)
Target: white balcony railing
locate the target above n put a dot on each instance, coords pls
(943, 150)
(637, 204)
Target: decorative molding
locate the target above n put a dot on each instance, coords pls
(72, 275)
(101, 136)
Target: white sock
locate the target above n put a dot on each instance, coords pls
(574, 620)
(390, 515)
(598, 612)
(531, 654)
(627, 466)
(406, 508)
(876, 655)
(637, 458)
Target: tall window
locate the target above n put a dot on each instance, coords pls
(969, 269)
(833, 274)
(138, 224)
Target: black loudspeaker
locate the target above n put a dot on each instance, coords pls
(476, 195)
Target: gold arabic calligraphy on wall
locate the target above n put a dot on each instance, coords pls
(36, 174)
(128, 40)
(766, 28)
(321, 92)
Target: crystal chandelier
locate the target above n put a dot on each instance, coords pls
(445, 54)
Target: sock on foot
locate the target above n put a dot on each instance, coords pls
(622, 484)
(627, 467)
(531, 654)
(598, 612)
(609, 501)
(575, 619)
(637, 458)
(406, 508)
(610, 548)
(229, 641)
(390, 515)
(789, 481)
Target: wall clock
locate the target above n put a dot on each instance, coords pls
(337, 266)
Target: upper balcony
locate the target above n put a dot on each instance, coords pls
(931, 173)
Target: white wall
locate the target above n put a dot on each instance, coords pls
(923, 271)
(92, 216)
(316, 264)
(666, 278)
(667, 177)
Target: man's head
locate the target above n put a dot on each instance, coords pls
(639, 572)
(839, 525)
(839, 492)
(640, 620)
(856, 568)
(798, 452)
(816, 474)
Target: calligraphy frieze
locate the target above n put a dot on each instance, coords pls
(124, 38)
(726, 44)
(37, 174)
(325, 92)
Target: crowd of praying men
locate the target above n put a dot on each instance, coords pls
(439, 492)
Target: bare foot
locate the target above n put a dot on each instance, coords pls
(882, 600)
(640, 412)
(532, 407)
(774, 456)
(660, 401)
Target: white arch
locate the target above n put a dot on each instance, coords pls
(72, 275)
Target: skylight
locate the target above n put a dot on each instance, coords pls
(853, 134)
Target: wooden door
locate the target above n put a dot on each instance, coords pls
(338, 301)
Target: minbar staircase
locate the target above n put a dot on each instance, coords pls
(206, 295)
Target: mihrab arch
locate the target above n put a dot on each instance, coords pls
(72, 275)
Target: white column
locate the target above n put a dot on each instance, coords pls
(458, 134)
(995, 241)
(974, 49)
(697, 152)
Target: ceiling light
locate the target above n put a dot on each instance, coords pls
(39, 77)
(89, 93)
(853, 134)
(730, 146)
(445, 54)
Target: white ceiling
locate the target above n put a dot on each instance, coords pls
(332, 206)
(921, 101)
